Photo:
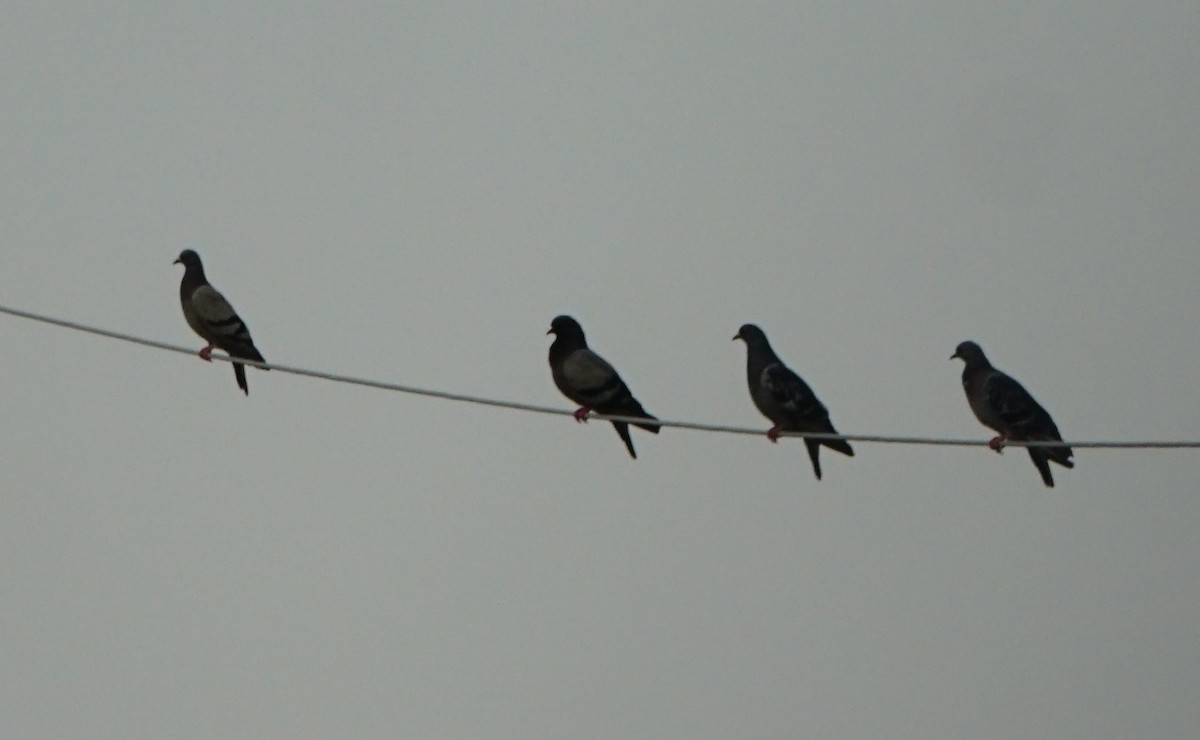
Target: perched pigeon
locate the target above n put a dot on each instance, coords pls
(784, 398)
(584, 377)
(211, 316)
(1002, 404)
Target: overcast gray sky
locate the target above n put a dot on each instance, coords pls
(410, 192)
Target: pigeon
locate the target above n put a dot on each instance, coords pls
(211, 316)
(584, 377)
(1004, 405)
(784, 398)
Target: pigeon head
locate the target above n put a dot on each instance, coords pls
(969, 352)
(566, 327)
(750, 334)
(188, 258)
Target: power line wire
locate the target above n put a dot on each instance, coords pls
(517, 406)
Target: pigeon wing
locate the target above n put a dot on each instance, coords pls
(1016, 408)
(589, 377)
(222, 325)
(792, 394)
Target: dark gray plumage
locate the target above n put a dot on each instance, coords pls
(784, 398)
(1000, 402)
(584, 377)
(211, 316)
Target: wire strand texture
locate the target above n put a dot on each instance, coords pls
(534, 408)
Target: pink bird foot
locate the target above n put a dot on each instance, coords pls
(206, 353)
(773, 434)
(581, 413)
(997, 443)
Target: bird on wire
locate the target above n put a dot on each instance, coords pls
(211, 316)
(1003, 404)
(587, 379)
(783, 397)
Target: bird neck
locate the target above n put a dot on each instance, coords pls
(758, 356)
(565, 344)
(193, 277)
(976, 366)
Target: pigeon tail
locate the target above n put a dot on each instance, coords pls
(814, 454)
(255, 355)
(1038, 455)
(652, 428)
(245, 351)
(839, 445)
(635, 409)
(239, 372)
(623, 432)
(632, 407)
(1060, 455)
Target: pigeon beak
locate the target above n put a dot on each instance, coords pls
(737, 336)
(954, 356)
(550, 331)
(177, 261)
